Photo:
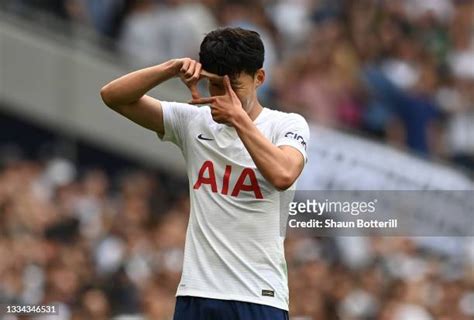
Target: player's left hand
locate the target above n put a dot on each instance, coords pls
(226, 108)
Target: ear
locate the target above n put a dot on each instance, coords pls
(259, 77)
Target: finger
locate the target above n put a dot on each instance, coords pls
(210, 76)
(190, 71)
(227, 85)
(207, 100)
(194, 92)
(197, 71)
(185, 66)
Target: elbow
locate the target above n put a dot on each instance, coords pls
(283, 181)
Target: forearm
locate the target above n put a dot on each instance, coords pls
(273, 163)
(131, 87)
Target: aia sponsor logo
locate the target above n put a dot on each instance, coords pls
(207, 176)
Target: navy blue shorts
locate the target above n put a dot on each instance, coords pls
(195, 308)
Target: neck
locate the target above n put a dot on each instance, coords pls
(255, 109)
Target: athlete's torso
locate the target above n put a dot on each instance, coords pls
(234, 244)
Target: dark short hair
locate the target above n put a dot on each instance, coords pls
(231, 51)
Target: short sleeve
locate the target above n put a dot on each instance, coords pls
(176, 118)
(293, 131)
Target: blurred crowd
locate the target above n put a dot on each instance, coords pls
(401, 71)
(111, 247)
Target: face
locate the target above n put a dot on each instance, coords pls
(244, 85)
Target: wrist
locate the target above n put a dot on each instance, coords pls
(241, 120)
(173, 66)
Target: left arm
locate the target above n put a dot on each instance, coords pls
(282, 165)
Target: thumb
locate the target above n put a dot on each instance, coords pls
(228, 86)
(194, 92)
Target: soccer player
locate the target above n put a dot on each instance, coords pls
(241, 158)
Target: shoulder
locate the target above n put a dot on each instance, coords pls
(281, 117)
(185, 108)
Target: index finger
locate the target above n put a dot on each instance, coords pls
(206, 100)
(210, 76)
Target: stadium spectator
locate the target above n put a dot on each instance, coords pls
(336, 59)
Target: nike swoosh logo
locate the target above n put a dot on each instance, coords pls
(204, 138)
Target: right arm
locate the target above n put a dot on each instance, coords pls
(127, 95)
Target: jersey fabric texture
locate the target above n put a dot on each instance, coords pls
(195, 308)
(234, 247)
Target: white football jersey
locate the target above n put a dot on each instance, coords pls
(234, 247)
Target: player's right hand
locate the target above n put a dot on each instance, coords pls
(189, 71)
